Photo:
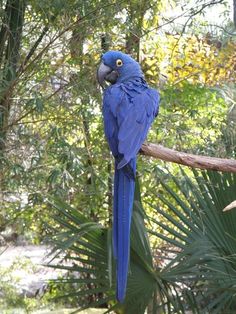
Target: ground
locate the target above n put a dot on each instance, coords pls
(24, 280)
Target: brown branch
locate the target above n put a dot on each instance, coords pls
(193, 161)
(230, 206)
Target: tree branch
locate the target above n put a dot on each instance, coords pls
(193, 161)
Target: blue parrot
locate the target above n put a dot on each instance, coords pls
(129, 108)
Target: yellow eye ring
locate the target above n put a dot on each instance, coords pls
(119, 63)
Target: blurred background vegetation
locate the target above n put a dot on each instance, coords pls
(52, 145)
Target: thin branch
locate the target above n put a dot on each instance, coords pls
(22, 69)
(192, 12)
(32, 110)
(62, 32)
(33, 48)
(193, 161)
(223, 29)
(204, 6)
(164, 24)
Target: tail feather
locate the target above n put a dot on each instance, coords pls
(115, 213)
(124, 187)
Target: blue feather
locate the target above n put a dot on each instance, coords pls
(129, 108)
(123, 202)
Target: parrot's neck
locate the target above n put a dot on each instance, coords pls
(130, 72)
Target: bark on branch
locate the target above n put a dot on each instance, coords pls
(194, 161)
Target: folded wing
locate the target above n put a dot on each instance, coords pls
(133, 130)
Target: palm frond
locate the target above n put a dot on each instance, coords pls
(199, 273)
(205, 236)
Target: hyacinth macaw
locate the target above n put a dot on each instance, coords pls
(129, 108)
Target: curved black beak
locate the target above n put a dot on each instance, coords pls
(102, 72)
(105, 73)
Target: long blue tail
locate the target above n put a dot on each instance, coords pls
(124, 186)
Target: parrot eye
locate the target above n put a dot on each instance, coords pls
(119, 63)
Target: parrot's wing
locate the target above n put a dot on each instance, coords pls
(138, 116)
(111, 100)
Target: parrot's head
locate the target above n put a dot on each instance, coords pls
(117, 67)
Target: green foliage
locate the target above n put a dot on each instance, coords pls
(193, 108)
(55, 141)
(51, 131)
(194, 270)
(205, 236)
(11, 298)
(87, 251)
